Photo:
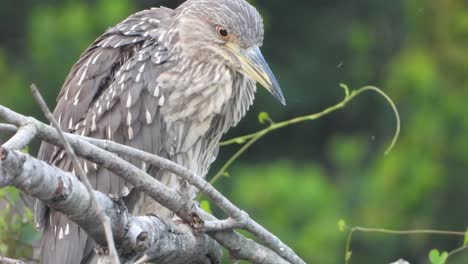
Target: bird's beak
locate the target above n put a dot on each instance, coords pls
(255, 66)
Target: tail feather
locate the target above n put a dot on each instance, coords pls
(65, 242)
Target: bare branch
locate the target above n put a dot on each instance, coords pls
(240, 217)
(238, 246)
(160, 239)
(221, 225)
(8, 128)
(24, 135)
(139, 179)
(6, 260)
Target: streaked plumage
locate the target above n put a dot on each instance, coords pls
(164, 81)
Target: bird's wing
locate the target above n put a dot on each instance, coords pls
(110, 93)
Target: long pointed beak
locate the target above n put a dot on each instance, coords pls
(255, 66)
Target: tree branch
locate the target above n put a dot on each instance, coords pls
(164, 239)
(24, 135)
(8, 128)
(166, 196)
(6, 260)
(241, 218)
(221, 225)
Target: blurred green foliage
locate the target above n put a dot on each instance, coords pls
(17, 232)
(302, 220)
(301, 180)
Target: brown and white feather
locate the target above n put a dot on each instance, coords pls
(135, 85)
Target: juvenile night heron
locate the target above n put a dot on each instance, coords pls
(169, 82)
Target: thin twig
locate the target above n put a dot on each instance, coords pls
(24, 135)
(8, 128)
(222, 225)
(82, 174)
(457, 251)
(408, 232)
(352, 230)
(239, 153)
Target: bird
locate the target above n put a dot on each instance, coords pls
(170, 82)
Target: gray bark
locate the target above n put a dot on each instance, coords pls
(163, 240)
(199, 221)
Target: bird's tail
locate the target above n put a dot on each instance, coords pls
(65, 242)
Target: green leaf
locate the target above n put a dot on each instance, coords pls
(437, 258)
(444, 257)
(206, 206)
(263, 117)
(434, 256)
(342, 225)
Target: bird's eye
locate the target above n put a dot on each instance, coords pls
(222, 32)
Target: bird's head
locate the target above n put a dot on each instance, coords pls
(228, 32)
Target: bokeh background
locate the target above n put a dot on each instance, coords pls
(300, 181)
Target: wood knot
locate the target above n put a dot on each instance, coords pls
(142, 237)
(3, 154)
(59, 188)
(60, 192)
(197, 222)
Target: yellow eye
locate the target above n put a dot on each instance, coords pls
(222, 32)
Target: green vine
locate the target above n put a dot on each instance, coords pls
(435, 256)
(248, 140)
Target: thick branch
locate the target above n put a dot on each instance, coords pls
(238, 219)
(165, 241)
(168, 197)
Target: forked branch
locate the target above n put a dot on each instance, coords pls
(239, 246)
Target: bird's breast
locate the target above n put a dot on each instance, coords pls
(197, 93)
(203, 102)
